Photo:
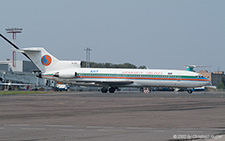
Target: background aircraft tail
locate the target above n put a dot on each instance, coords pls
(191, 67)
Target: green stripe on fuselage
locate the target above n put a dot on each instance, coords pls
(133, 75)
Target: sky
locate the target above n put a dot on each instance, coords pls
(160, 34)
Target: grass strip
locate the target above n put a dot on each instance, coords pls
(23, 92)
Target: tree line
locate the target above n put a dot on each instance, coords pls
(110, 65)
(221, 85)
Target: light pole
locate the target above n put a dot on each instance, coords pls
(14, 31)
(88, 57)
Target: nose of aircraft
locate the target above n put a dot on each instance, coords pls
(205, 82)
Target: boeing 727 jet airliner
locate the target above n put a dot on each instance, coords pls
(109, 79)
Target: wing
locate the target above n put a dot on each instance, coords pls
(115, 83)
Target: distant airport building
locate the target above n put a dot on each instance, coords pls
(4, 65)
(21, 66)
(214, 77)
(23, 72)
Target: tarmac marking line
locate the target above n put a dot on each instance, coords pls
(138, 128)
(108, 127)
(106, 130)
(93, 127)
(190, 131)
(33, 128)
(17, 125)
(72, 130)
(62, 126)
(160, 131)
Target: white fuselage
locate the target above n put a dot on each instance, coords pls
(129, 77)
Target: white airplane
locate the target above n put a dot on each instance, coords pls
(109, 79)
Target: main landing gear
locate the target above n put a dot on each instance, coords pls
(111, 90)
(189, 91)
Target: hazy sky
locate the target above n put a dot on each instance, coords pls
(154, 33)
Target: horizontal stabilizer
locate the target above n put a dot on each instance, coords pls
(30, 50)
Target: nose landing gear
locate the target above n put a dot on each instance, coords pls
(189, 91)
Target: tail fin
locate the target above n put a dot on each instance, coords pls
(44, 60)
(41, 58)
(47, 62)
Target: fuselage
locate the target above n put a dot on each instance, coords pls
(137, 77)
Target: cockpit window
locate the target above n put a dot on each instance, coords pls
(199, 76)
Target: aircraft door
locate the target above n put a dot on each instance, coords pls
(178, 81)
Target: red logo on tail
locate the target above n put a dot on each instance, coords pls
(46, 60)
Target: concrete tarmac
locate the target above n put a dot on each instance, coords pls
(93, 116)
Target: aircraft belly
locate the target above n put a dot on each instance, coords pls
(155, 83)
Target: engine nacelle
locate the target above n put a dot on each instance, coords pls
(65, 75)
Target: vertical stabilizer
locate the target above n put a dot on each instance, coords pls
(41, 58)
(44, 60)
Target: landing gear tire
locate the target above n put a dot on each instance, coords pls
(189, 91)
(104, 90)
(112, 90)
